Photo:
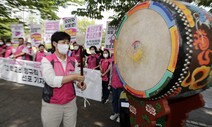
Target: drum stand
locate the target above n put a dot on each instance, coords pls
(163, 112)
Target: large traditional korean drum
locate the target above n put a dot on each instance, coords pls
(163, 49)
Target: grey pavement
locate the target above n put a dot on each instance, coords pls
(20, 107)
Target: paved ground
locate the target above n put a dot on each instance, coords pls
(20, 107)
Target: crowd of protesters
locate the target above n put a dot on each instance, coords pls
(93, 58)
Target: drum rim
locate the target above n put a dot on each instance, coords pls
(163, 12)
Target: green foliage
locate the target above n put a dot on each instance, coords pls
(95, 8)
(46, 8)
(84, 23)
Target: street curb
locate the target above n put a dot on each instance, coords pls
(197, 124)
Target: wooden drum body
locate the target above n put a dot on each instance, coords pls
(163, 49)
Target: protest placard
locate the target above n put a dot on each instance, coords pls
(51, 26)
(93, 36)
(35, 34)
(110, 36)
(17, 32)
(70, 27)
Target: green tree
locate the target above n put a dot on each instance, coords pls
(46, 8)
(95, 8)
(84, 23)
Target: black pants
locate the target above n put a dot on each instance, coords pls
(105, 91)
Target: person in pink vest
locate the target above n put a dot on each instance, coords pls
(2, 48)
(76, 52)
(40, 54)
(28, 52)
(117, 88)
(19, 54)
(105, 65)
(59, 99)
(9, 49)
(93, 58)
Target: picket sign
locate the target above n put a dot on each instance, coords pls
(30, 73)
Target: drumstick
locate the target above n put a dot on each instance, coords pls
(81, 62)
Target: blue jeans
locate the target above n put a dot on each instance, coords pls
(116, 99)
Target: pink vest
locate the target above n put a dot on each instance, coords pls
(39, 56)
(92, 61)
(104, 65)
(115, 82)
(8, 51)
(19, 51)
(76, 55)
(66, 93)
(1, 49)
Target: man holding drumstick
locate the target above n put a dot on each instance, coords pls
(59, 99)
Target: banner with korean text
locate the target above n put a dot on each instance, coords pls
(110, 36)
(17, 32)
(30, 73)
(35, 34)
(93, 36)
(51, 26)
(70, 27)
(21, 71)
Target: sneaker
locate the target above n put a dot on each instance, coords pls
(118, 120)
(114, 116)
(106, 101)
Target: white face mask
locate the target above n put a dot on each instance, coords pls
(1, 43)
(105, 55)
(76, 47)
(8, 44)
(28, 46)
(92, 51)
(63, 48)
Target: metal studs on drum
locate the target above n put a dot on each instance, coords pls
(187, 33)
(179, 11)
(188, 38)
(173, 5)
(186, 24)
(185, 72)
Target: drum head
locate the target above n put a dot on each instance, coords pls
(143, 50)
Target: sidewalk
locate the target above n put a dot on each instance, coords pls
(21, 104)
(202, 117)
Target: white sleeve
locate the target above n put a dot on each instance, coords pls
(49, 75)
